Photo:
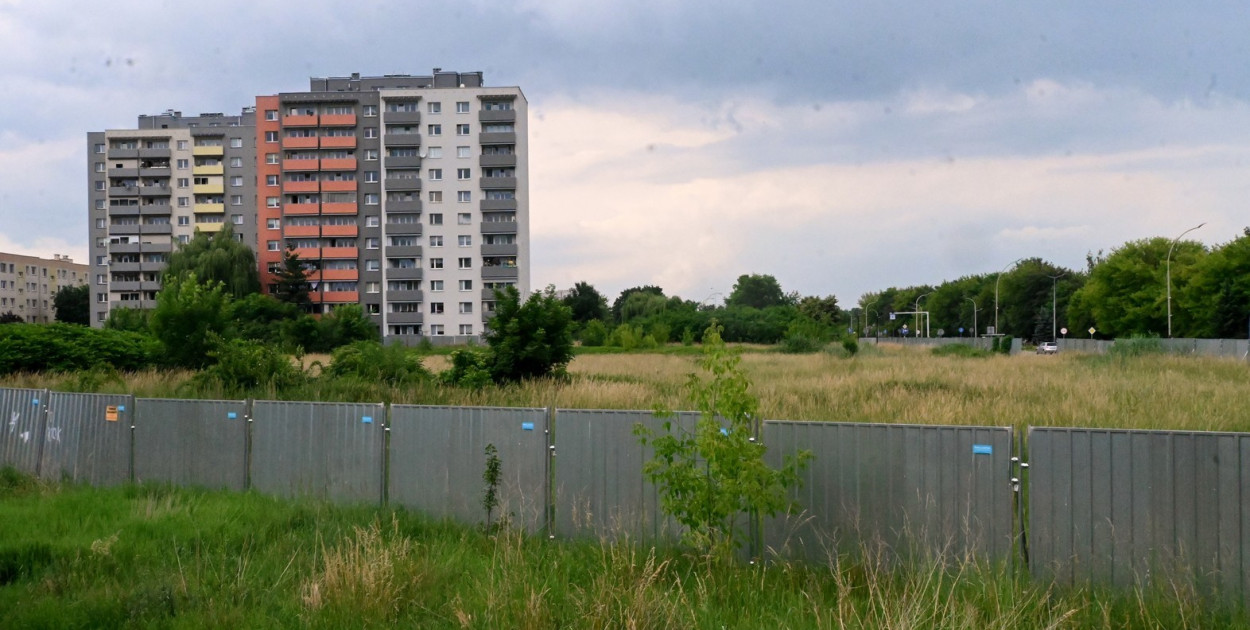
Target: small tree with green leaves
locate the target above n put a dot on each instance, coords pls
(708, 478)
(491, 475)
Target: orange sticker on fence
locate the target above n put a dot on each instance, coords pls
(110, 413)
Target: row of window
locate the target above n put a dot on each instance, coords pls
(435, 330)
(462, 129)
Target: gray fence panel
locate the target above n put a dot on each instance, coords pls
(22, 411)
(437, 457)
(328, 451)
(88, 438)
(1125, 507)
(600, 489)
(925, 489)
(191, 442)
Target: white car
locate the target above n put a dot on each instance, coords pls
(1048, 347)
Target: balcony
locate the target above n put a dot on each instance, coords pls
(123, 172)
(402, 139)
(405, 318)
(119, 287)
(154, 153)
(404, 250)
(123, 229)
(335, 274)
(404, 296)
(154, 248)
(209, 189)
(338, 208)
(209, 150)
(123, 191)
(125, 267)
(208, 169)
(488, 161)
(411, 183)
(499, 227)
(503, 249)
(404, 206)
(210, 228)
(299, 187)
(338, 164)
(409, 161)
(307, 253)
(340, 297)
(338, 120)
(301, 165)
(156, 228)
(403, 228)
(339, 230)
(295, 231)
(210, 208)
(338, 142)
(406, 273)
(497, 137)
(154, 191)
(499, 273)
(497, 204)
(155, 210)
(339, 252)
(306, 120)
(496, 115)
(119, 211)
(124, 248)
(402, 117)
(498, 183)
(123, 154)
(301, 208)
(338, 186)
(154, 171)
(299, 142)
(488, 295)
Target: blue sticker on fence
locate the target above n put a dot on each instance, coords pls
(231, 415)
(34, 401)
(121, 407)
(366, 420)
(527, 426)
(982, 449)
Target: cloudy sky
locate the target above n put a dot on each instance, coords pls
(842, 147)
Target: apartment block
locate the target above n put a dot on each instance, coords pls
(405, 194)
(151, 188)
(28, 284)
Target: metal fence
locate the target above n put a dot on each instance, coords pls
(191, 442)
(942, 489)
(1128, 507)
(331, 451)
(1226, 348)
(87, 439)
(22, 412)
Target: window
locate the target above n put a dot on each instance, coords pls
(371, 243)
(462, 129)
(435, 107)
(271, 114)
(271, 202)
(462, 107)
(371, 132)
(236, 219)
(99, 204)
(373, 287)
(466, 308)
(466, 285)
(436, 286)
(436, 241)
(272, 246)
(99, 167)
(183, 164)
(436, 196)
(236, 143)
(236, 181)
(466, 263)
(99, 148)
(273, 224)
(372, 265)
(371, 177)
(435, 174)
(271, 136)
(271, 180)
(101, 260)
(236, 200)
(183, 182)
(434, 130)
(99, 279)
(184, 221)
(236, 162)
(464, 218)
(436, 308)
(436, 330)
(435, 153)
(99, 224)
(466, 240)
(372, 199)
(369, 111)
(464, 152)
(464, 196)
(271, 158)
(436, 218)
(371, 155)
(436, 263)
(371, 222)
(183, 202)
(464, 173)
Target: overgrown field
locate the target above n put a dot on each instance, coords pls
(156, 556)
(890, 384)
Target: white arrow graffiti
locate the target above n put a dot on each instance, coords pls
(13, 421)
(25, 435)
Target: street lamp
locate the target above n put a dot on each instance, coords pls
(1169, 278)
(1054, 302)
(996, 281)
(917, 309)
(865, 328)
(974, 315)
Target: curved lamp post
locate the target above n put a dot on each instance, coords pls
(996, 281)
(1054, 301)
(1169, 273)
(917, 309)
(974, 316)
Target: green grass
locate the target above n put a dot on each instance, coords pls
(162, 557)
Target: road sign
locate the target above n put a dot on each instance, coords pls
(891, 316)
(961, 330)
(1092, 331)
(941, 332)
(1063, 331)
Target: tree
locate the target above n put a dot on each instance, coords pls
(1126, 291)
(529, 340)
(217, 258)
(1219, 295)
(291, 282)
(620, 299)
(190, 316)
(11, 318)
(131, 319)
(823, 310)
(346, 324)
(259, 317)
(586, 303)
(73, 304)
(756, 291)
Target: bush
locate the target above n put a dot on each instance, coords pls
(373, 362)
(346, 324)
(69, 347)
(189, 315)
(469, 368)
(1136, 346)
(595, 333)
(529, 340)
(959, 350)
(244, 365)
(851, 345)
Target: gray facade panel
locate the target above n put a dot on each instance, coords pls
(330, 451)
(191, 442)
(88, 439)
(22, 411)
(438, 457)
(910, 487)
